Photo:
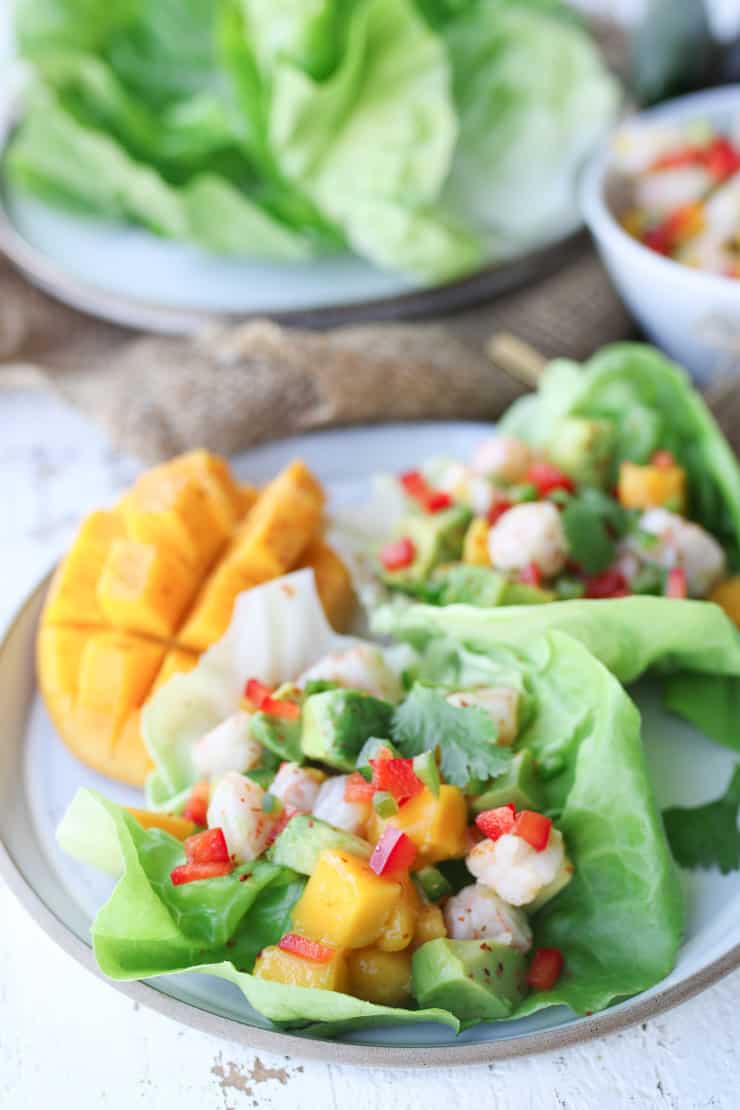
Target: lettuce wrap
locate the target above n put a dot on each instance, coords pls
(582, 727)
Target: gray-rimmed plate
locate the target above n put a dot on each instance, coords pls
(38, 777)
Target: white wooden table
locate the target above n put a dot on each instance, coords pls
(67, 1039)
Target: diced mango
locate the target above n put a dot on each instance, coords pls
(345, 903)
(172, 823)
(333, 582)
(214, 605)
(380, 977)
(437, 826)
(398, 930)
(650, 487)
(285, 967)
(143, 588)
(73, 592)
(430, 924)
(727, 595)
(176, 661)
(285, 518)
(475, 544)
(116, 673)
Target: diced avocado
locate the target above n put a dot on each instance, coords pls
(519, 784)
(437, 538)
(432, 883)
(370, 750)
(519, 593)
(563, 877)
(279, 735)
(337, 723)
(304, 838)
(474, 979)
(583, 448)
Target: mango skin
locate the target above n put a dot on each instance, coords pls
(437, 826)
(380, 977)
(285, 967)
(150, 584)
(652, 487)
(345, 904)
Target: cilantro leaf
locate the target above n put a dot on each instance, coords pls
(466, 738)
(592, 521)
(707, 836)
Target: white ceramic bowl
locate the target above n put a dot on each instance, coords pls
(693, 316)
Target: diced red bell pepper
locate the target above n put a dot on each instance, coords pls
(546, 478)
(196, 807)
(534, 828)
(663, 459)
(414, 483)
(678, 225)
(208, 846)
(280, 822)
(531, 575)
(677, 159)
(545, 969)
(437, 500)
(676, 584)
(192, 872)
(610, 583)
(400, 553)
(656, 238)
(500, 506)
(494, 823)
(721, 159)
(358, 789)
(256, 692)
(275, 707)
(395, 851)
(397, 777)
(305, 948)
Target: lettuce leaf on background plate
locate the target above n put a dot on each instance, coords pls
(583, 728)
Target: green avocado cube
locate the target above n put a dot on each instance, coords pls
(437, 538)
(583, 448)
(519, 784)
(336, 724)
(432, 883)
(303, 840)
(474, 979)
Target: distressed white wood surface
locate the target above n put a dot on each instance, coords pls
(68, 1039)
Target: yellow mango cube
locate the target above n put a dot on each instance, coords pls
(650, 487)
(727, 596)
(296, 971)
(345, 903)
(73, 592)
(437, 825)
(380, 977)
(398, 930)
(214, 605)
(144, 588)
(430, 924)
(333, 582)
(171, 823)
(475, 544)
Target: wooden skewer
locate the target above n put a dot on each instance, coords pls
(516, 358)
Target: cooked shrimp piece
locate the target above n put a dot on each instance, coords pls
(685, 544)
(514, 869)
(227, 747)
(330, 806)
(477, 913)
(502, 457)
(361, 667)
(297, 786)
(529, 533)
(236, 808)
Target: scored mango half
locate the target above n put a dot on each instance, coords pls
(150, 584)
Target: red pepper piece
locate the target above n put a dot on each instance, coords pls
(534, 828)
(610, 583)
(676, 585)
(397, 777)
(400, 553)
(415, 484)
(358, 789)
(545, 969)
(305, 948)
(494, 823)
(257, 692)
(546, 478)
(437, 500)
(196, 807)
(720, 159)
(500, 506)
(663, 459)
(531, 575)
(677, 159)
(192, 872)
(274, 707)
(207, 847)
(394, 851)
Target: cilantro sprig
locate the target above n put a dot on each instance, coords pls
(465, 737)
(707, 836)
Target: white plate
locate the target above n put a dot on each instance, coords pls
(38, 777)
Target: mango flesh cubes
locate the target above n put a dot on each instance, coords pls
(651, 487)
(285, 967)
(150, 584)
(437, 825)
